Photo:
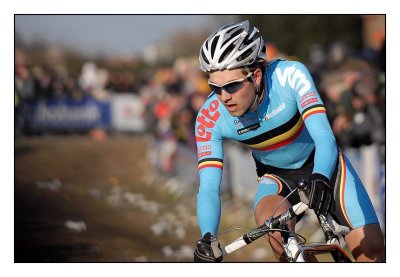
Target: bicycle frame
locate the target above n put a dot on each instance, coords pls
(334, 250)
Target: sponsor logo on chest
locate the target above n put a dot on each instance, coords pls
(248, 128)
(274, 112)
(246, 124)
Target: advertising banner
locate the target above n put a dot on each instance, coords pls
(68, 115)
(127, 113)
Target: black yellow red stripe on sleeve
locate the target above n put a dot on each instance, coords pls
(210, 162)
(313, 110)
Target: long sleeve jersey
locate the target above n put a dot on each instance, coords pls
(288, 125)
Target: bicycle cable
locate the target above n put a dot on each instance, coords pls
(230, 230)
(303, 239)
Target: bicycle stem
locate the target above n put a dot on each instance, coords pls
(294, 211)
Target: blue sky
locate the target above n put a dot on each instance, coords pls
(108, 34)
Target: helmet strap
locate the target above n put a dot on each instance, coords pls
(258, 90)
(255, 104)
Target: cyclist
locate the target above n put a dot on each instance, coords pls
(275, 109)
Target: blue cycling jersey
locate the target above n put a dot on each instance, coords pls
(288, 125)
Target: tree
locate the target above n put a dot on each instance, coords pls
(294, 34)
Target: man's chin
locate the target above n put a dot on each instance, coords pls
(235, 113)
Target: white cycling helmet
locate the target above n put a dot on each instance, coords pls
(232, 46)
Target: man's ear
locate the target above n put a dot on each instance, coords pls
(258, 76)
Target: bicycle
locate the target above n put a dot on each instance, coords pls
(294, 249)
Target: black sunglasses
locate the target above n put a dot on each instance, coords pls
(230, 87)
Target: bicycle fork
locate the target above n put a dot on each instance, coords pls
(292, 248)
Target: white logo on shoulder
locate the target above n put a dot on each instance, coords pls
(297, 80)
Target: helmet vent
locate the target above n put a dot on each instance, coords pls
(214, 46)
(226, 53)
(204, 57)
(237, 32)
(246, 54)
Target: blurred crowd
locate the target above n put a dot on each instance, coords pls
(352, 85)
(171, 94)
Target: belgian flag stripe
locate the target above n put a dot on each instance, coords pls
(342, 188)
(274, 132)
(282, 139)
(313, 107)
(284, 142)
(277, 181)
(210, 162)
(313, 110)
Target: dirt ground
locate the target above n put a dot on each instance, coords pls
(78, 199)
(81, 199)
(76, 179)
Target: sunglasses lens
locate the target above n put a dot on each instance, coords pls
(233, 87)
(230, 88)
(216, 89)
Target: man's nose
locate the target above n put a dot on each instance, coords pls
(225, 96)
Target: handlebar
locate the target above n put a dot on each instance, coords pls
(330, 227)
(269, 225)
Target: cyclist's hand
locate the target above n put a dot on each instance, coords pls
(208, 249)
(321, 195)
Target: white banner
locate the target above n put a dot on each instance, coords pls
(127, 113)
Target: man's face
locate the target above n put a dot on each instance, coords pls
(239, 102)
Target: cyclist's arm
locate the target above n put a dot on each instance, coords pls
(210, 158)
(314, 116)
